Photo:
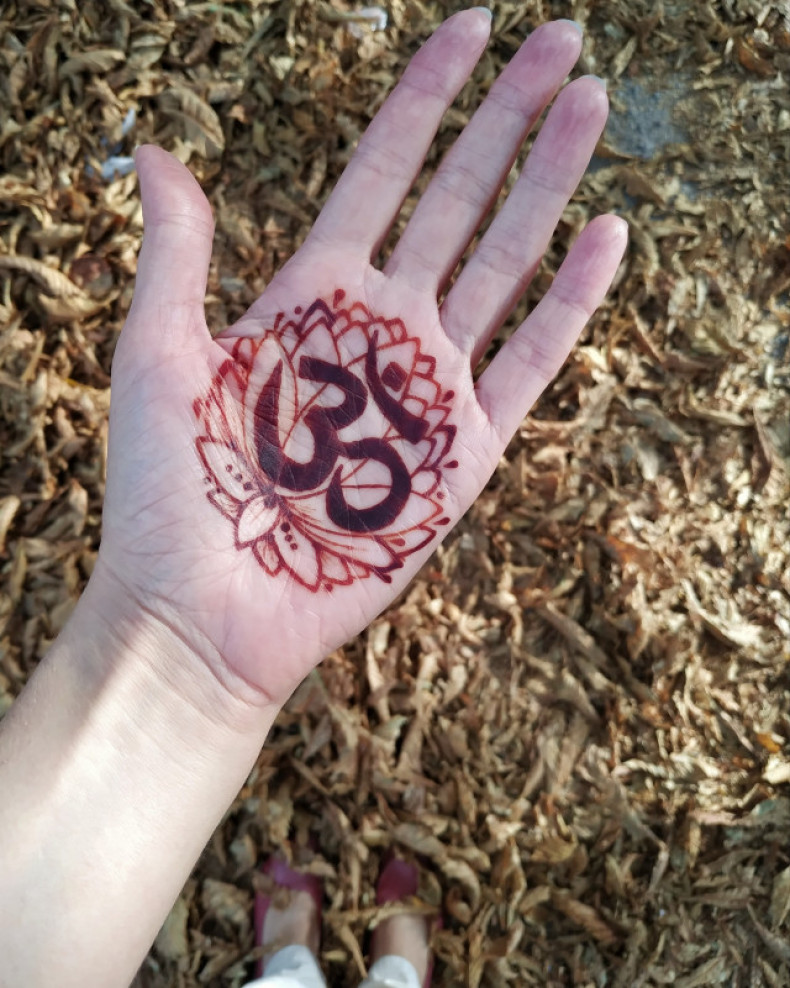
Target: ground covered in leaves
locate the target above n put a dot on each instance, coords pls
(578, 715)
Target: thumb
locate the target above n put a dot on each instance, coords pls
(172, 269)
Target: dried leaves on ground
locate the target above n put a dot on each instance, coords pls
(577, 717)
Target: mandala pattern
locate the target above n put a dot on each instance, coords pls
(324, 442)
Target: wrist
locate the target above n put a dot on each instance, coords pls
(145, 689)
(119, 759)
(137, 639)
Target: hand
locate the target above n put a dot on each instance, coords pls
(271, 490)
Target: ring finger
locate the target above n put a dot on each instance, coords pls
(511, 249)
(471, 175)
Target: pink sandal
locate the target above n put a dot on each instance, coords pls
(399, 881)
(283, 875)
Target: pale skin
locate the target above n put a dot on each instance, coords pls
(141, 724)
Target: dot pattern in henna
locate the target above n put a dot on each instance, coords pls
(323, 443)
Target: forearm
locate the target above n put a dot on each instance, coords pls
(116, 763)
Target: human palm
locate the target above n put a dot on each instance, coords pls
(270, 490)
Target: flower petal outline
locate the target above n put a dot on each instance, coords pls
(312, 549)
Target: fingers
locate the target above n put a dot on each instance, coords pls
(531, 358)
(172, 269)
(370, 192)
(470, 177)
(509, 253)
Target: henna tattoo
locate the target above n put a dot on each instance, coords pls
(324, 440)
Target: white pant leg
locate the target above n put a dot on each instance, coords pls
(291, 967)
(392, 971)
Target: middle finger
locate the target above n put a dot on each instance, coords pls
(471, 175)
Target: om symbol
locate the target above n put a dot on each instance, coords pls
(324, 442)
(324, 425)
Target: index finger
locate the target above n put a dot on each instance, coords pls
(392, 150)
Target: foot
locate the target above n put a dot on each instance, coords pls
(292, 919)
(406, 934)
(288, 912)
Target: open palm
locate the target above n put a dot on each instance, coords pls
(270, 490)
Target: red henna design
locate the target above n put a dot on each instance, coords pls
(323, 443)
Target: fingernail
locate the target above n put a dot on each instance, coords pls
(576, 24)
(486, 10)
(601, 82)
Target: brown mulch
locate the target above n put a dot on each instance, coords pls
(579, 714)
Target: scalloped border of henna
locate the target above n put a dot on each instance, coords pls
(254, 485)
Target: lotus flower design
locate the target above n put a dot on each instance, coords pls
(324, 441)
